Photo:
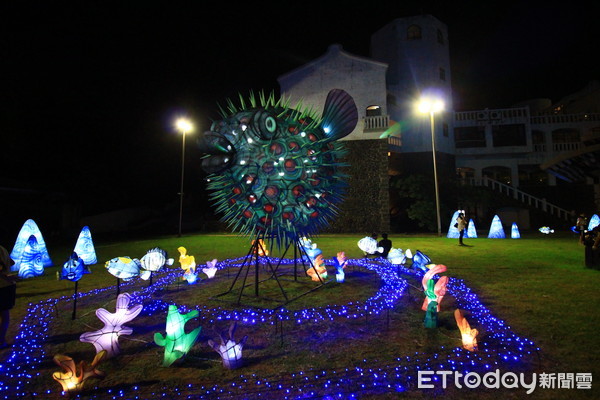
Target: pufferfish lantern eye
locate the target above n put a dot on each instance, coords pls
(264, 124)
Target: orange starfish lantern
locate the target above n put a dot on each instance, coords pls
(468, 335)
(74, 377)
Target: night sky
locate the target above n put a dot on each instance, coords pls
(90, 89)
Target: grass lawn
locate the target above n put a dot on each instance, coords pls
(538, 285)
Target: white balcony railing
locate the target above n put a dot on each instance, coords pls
(376, 123)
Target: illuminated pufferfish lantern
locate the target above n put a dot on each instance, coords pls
(273, 170)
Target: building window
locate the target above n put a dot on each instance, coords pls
(470, 136)
(373, 111)
(413, 32)
(566, 136)
(440, 37)
(445, 129)
(509, 135)
(442, 74)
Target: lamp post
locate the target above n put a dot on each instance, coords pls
(431, 106)
(184, 126)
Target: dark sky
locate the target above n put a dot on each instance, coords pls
(90, 89)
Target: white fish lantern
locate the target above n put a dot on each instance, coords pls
(155, 260)
(369, 245)
(229, 350)
(396, 257)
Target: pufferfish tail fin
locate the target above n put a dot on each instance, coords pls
(340, 115)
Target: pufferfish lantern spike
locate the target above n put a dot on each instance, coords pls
(273, 170)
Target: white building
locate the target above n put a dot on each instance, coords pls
(532, 146)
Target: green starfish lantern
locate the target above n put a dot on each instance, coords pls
(176, 342)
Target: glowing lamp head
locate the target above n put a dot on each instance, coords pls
(184, 125)
(430, 105)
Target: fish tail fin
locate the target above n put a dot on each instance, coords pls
(340, 115)
(145, 275)
(170, 261)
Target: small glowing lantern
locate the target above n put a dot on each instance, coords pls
(340, 263)
(453, 232)
(317, 271)
(84, 247)
(471, 230)
(30, 228)
(514, 231)
(434, 292)
(369, 245)
(496, 229)
(176, 342)
(188, 264)
(396, 257)
(30, 263)
(107, 338)
(211, 268)
(420, 261)
(229, 350)
(468, 335)
(74, 377)
(261, 248)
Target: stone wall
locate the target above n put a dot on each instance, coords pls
(365, 208)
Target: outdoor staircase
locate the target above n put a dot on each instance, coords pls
(519, 195)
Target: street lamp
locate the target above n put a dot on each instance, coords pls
(431, 106)
(184, 126)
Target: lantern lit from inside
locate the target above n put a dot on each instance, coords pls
(75, 375)
(188, 264)
(468, 335)
(318, 270)
(211, 268)
(420, 261)
(594, 222)
(438, 290)
(340, 263)
(74, 268)
(155, 259)
(229, 350)
(126, 268)
(496, 229)
(176, 342)
(471, 230)
(369, 245)
(85, 247)
(107, 338)
(514, 231)
(31, 260)
(452, 230)
(30, 228)
(396, 256)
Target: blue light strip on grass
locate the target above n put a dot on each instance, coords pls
(501, 347)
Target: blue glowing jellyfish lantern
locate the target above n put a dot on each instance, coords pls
(514, 231)
(471, 230)
(30, 228)
(85, 247)
(30, 263)
(452, 231)
(496, 229)
(594, 222)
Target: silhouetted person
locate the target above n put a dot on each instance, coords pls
(386, 244)
(461, 225)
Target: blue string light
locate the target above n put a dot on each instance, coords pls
(501, 347)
